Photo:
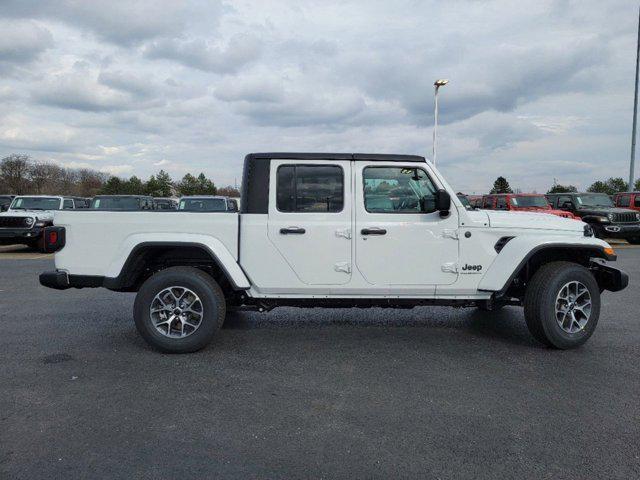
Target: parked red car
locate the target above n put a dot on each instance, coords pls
(629, 200)
(528, 202)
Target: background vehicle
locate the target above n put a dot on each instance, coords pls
(523, 202)
(475, 200)
(81, 202)
(628, 200)
(27, 216)
(122, 202)
(464, 200)
(207, 203)
(336, 230)
(597, 209)
(164, 204)
(5, 201)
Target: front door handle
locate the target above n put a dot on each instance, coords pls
(373, 231)
(292, 231)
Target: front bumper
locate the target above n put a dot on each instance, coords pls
(618, 230)
(60, 280)
(19, 235)
(609, 278)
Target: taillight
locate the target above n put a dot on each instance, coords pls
(54, 239)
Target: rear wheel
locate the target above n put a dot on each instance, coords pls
(179, 310)
(562, 305)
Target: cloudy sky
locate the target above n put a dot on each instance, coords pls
(539, 89)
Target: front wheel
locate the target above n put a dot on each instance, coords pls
(562, 305)
(179, 310)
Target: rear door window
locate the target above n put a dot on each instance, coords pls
(310, 188)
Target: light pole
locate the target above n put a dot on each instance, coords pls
(437, 84)
(635, 117)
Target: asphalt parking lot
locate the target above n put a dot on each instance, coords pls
(422, 393)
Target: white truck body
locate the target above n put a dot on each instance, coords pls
(373, 242)
(421, 256)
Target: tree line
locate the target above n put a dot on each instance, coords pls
(21, 175)
(608, 186)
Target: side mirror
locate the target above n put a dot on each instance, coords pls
(443, 202)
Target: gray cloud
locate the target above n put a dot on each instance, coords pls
(22, 42)
(119, 21)
(202, 55)
(535, 92)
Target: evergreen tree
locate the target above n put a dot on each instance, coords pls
(501, 185)
(152, 187)
(609, 186)
(205, 186)
(562, 189)
(113, 186)
(134, 186)
(165, 184)
(188, 185)
(636, 186)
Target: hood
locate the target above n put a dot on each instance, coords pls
(539, 221)
(602, 210)
(39, 214)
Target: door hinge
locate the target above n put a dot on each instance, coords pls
(342, 267)
(450, 233)
(344, 233)
(450, 267)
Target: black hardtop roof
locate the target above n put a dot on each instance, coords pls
(575, 193)
(124, 196)
(381, 157)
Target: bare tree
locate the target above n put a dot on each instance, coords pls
(14, 173)
(45, 178)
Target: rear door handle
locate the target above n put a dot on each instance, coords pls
(373, 231)
(292, 231)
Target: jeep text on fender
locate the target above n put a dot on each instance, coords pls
(336, 230)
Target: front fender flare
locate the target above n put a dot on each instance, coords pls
(518, 251)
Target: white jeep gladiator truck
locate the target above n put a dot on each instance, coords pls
(27, 216)
(336, 230)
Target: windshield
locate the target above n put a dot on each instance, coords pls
(203, 205)
(36, 203)
(115, 203)
(594, 200)
(465, 202)
(530, 201)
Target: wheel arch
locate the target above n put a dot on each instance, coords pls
(147, 258)
(520, 264)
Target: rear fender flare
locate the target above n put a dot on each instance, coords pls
(216, 249)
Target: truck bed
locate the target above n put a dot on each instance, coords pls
(98, 243)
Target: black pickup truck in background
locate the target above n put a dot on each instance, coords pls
(597, 209)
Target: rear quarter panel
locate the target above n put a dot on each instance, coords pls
(99, 243)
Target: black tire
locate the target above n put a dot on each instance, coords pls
(540, 304)
(213, 309)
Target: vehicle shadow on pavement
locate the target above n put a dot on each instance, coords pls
(505, 326)
(501, 325)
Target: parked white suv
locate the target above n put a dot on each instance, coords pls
(27, 216)
(336, 230)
